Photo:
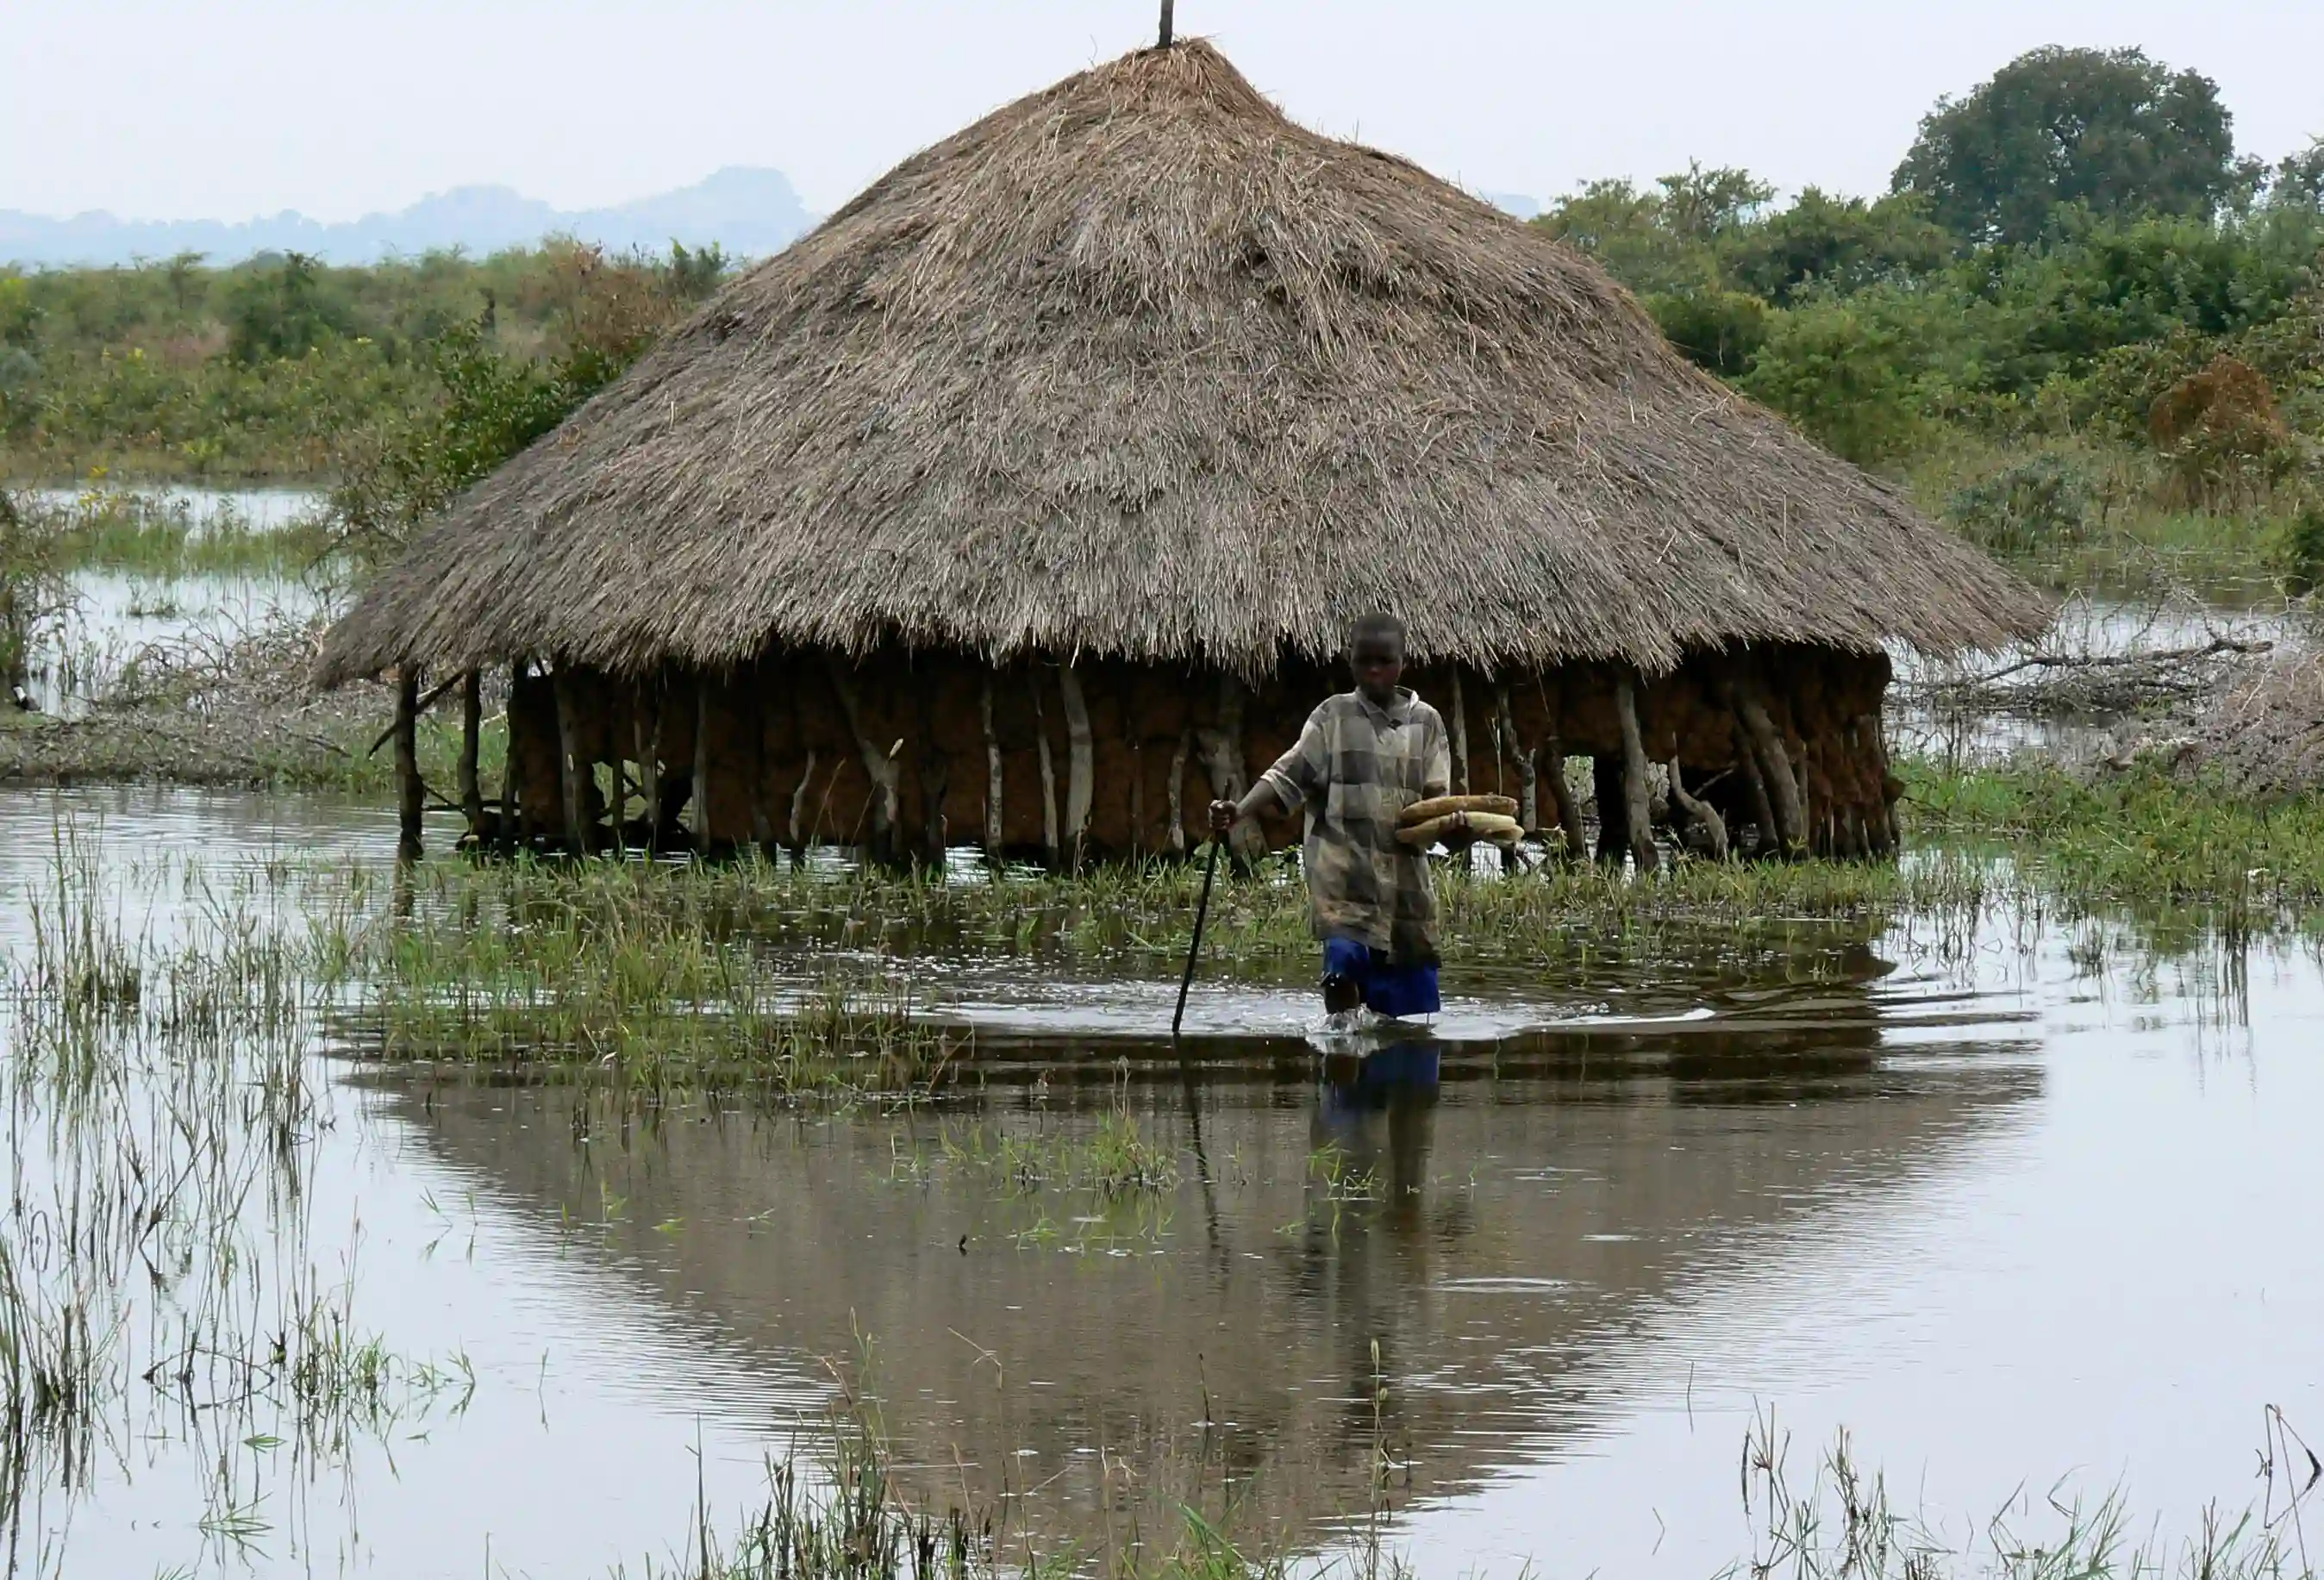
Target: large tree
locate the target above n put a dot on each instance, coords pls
(2108, 129)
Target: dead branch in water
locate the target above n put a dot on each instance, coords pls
(2052, 684)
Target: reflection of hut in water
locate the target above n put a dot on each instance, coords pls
(1027, 502)
(1515, 1238)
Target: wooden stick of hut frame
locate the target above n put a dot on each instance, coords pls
(569, 766)
(1079, 762)
(410, 795)
(1528, 786)
(1761, 744)
(511, 809)
(419, 707)
(991, 772)
(702, 765)
(471, 722)
(1697, 821)
(1638, 820)
(1460, 785)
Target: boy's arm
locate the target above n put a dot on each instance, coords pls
(1225, 815)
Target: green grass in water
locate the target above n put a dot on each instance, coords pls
(114, 529)
(2143, 838)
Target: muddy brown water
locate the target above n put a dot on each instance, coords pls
(2015, 1221)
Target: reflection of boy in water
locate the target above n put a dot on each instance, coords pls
(1400, 1081)
(1365, 755)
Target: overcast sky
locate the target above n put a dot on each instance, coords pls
(226, 108)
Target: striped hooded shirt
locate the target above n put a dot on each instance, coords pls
(1355, 767)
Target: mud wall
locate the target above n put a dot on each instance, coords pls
(906, 754)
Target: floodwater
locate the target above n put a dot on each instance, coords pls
(256, 508)
(2016, 1218)
(117, 617)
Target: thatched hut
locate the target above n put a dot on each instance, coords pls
(1026, 504)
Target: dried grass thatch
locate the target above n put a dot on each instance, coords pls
(1137, 367)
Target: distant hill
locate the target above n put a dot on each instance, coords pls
(750, 212)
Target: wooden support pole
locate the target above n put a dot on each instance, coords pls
(1178, 792)
(1641, 828)
(1048, 777)
(702, 764)
(934, 770)
(512, 810)
(878, 766)
(1567, 809)
(1783, 786)
(421, 705)
(409, 794)
(1080, 765)
(1700, 826)
(616, 799)
(993, 824)
(762, 820)
(798, 806)
(1529, 791)
(1459, 737)
(1137, 794)
(471, 788)
(1754, 790)
(570, 768)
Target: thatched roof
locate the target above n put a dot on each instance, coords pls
(1135, 366)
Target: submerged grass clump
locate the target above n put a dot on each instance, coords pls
(2142, 839)
(155, 533)
(500, 967)
(1115, 1158)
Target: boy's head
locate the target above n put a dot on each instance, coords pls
(1376, 653)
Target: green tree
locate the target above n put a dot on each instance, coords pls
(20, 313)
(1624, 229)
(1703, 205)
(1722, 330)
(1837, 244)
(283, 310)
(2109, 130)
(184, 272)
(692, 273)
(1665, 243)
(2298, 181)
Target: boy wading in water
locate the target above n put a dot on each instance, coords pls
(1364, 756)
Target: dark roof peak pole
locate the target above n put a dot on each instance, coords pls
(1168, 7)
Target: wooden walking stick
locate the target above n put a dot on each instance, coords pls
(1201, 910)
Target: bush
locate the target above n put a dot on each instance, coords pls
(2042, 503)
(1720, 330)
(1847, 373)
(34, 593)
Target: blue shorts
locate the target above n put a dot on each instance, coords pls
(1386, 990)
